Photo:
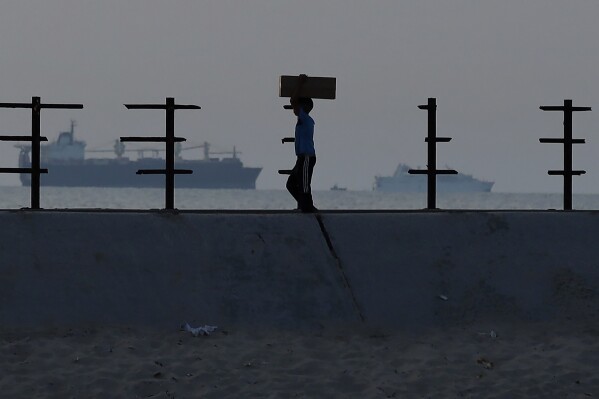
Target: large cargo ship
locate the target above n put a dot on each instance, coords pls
(67, 165)
(403, 182)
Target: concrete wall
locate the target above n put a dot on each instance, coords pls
(295, 270)
(62, 268)
(489, 265)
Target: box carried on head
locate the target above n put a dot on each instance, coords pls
(314, 87)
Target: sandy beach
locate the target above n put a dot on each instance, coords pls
(556, 360)
(495, 305)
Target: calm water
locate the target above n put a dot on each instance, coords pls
(131, 198)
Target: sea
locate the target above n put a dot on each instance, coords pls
(204, 199)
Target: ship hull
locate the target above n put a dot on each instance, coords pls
(212, 174)
(418, 184)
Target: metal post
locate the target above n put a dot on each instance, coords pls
(35, 152)
(170, 153)
(283, 141)
(35, 139)
(169, 139)
(432, 141)
(567, 172)
(567, 154)
(286, 140)
(432, 153)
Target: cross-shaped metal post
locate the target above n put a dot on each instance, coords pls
(567, 141)
(35, 138)
(170, 141)
(432, 141)
(286, 140)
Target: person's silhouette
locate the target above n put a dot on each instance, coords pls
(300, 179)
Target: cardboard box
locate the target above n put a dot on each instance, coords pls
(314, 87)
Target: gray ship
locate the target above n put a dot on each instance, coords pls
(68, 167)
(403, 182)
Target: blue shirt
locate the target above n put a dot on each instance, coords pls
(304, 134)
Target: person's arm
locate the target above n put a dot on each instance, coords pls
(296, 93)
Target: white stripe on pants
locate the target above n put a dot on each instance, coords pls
(306, 173)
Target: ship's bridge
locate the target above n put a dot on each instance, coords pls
(402, 169)
(66, 148)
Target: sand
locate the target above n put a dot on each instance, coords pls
(544, 360)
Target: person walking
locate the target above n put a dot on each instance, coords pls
(300, 180)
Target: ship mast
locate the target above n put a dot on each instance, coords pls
(206, 150)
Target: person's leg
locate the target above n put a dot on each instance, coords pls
(294, 181)
(306, 203)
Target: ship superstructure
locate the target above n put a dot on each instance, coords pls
(67, 165)
(401, 181)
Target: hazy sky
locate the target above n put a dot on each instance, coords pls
(490, 64)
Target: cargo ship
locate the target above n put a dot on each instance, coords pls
(67, 164)
(403, 182)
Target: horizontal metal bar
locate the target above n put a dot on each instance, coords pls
(163, 171)
(145, 106)
(62, 106)
(188, 106)
(284, 171)
(433, 172)
(160, 106)
(150, 139)
(29, 105)
(288, 140)
(552, 140)
(425, 106)
(438, 139)
(562, 108)
(20, 138)
(552, 107)
(564, 173)
(20, 170)
(561, 141)
(15, 105)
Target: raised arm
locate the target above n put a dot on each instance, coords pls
(294, 100)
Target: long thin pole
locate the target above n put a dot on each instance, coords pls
(170, 153)
(567, 172)
(35, 152)
(169, 139)
(432, 153)
(568, 154)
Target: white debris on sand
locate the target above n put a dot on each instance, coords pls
(526, 360)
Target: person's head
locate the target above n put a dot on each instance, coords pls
(305, 103)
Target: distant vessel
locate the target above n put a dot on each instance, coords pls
(335, 187)
(401, 181)
(67, 166)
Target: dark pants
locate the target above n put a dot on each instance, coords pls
(299, 182)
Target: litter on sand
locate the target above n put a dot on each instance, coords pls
(491, 334)
(196, 331)
(485, 363)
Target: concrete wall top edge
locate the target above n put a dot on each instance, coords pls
(279, 212)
